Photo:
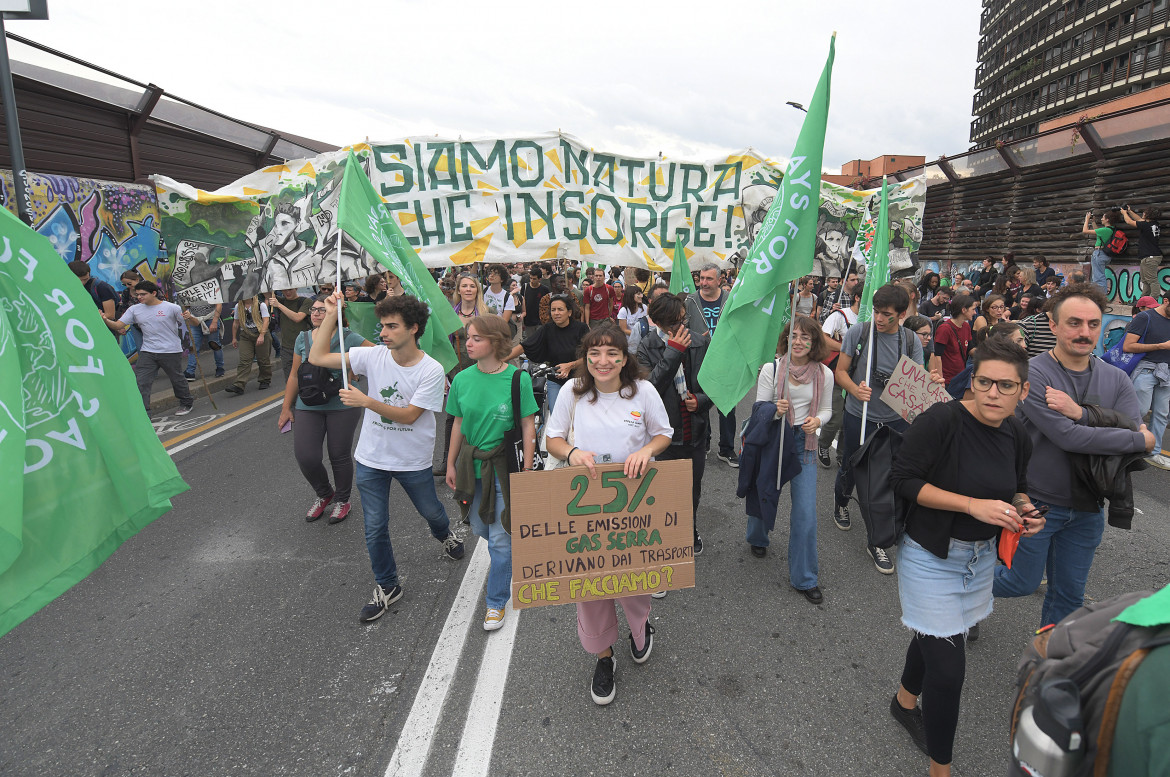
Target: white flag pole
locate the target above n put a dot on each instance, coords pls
(783, 389)
(868, 374)
(340, 305)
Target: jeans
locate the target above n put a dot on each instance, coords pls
(727, 432)
(1098, 262)
(1152, 395)
(552, 391)
(147, 367)
(199, 340)
(499, 579)
(1064, 548)
(802, 530)
(850, 441)
(374, 487)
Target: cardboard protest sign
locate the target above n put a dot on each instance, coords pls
(910, 390)
(576, 539)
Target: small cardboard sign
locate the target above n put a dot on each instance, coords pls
(579, 539)
(911, 391)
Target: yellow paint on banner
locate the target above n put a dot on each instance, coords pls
(641, 200)
(521, 234)
(308, 170)
(614, 233)
(584, 248)
(658, 179)
(651, 264)
(552, 253)
(737, 212)
(553, 183)
(253, 192)
(475, 251)
(479, 225)
(406, 218)
(205, 197)
(555, 158)
(277, 169)
(745, 161)
(488, 186)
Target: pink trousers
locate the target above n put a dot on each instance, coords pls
(597, 623)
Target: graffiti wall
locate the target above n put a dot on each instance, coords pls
(111, 226)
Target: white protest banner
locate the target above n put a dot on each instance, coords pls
(910, 390)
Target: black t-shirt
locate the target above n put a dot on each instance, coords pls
(1151, 327)
(929, 309)
(555, 345)
(101, 291)
(988, 470)
(1148, 234)
(532, 303)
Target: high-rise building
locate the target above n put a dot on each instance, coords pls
(1043, 58)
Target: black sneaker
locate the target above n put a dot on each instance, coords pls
(453, 547)
(881, 559)
(911, 720)
(730, 458)
(813, 594)
(234, 389)
(264, 384)
(190, 378)
(698, 545)
(380, 602)
(759, 551)
(841, 517)
(641, 656)
(973, 633)
(603, 688)
(825, 459)
(219, 373)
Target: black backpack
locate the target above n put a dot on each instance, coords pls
(1118, 244)
(316, 385)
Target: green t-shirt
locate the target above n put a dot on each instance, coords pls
(484, 402)
(1104, 235)
(304, 343)
(1141, 742)
(289, 329)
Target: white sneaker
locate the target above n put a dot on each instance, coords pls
(1159, 460)
(493, 620)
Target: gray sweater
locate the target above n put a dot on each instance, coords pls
(1055, 435)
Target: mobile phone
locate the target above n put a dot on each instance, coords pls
(286, 428)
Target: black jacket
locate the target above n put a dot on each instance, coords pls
(661, 361)
(1097, 477)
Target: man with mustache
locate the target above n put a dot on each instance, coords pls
(1062, 381)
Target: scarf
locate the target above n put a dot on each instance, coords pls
(810, 372)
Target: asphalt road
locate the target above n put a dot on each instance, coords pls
(224, 640)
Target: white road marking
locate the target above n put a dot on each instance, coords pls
(414, 743)
(234, 422)
(474, 758)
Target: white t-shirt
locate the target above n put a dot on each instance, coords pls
(160, 325)
(391, 446)
(614, 424)
(632, 320)
(498, 303)
(838, 323)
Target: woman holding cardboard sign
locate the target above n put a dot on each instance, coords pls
(611, 415)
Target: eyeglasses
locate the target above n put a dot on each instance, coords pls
(316, 310)
(1006, 387)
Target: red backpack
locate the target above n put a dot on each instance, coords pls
(1118, 244)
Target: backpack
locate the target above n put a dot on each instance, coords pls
(879, 377)
(316, 385)
(1118, 244)
(1086, 658)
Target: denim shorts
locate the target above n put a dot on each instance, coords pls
(943, 597)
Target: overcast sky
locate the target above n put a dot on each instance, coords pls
(688, 79)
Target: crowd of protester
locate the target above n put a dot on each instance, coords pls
(1011, 342)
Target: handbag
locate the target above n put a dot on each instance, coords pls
(514, 437)
(1122, 360)
(570, 437)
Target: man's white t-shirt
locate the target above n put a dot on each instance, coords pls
(160, 325)
(614, 424)
(391, 446)
(498, 303)
(838, 323)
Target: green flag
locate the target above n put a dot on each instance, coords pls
(877, 263)
(362, 215)
(680, 272)
(757, 308)
(81, 468)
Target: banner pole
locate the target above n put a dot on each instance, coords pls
(340, 305)
(868, 374)
(784, 388)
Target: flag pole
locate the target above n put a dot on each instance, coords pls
(340, 305)
(881, 237)
(784, 388)
(868, 372)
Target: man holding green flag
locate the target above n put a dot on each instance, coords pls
(757, 308)
(870, 352)
(362, 216)
(81, 467)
